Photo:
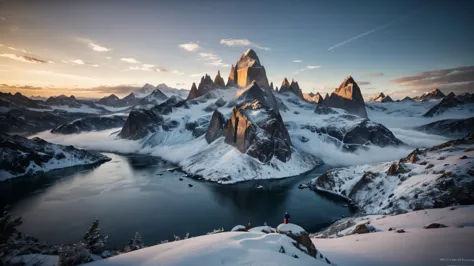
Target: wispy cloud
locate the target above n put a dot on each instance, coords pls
(363, 82)
(62, 75)
(98, 48)
(304, 69)
(130, 60)
(213, 59)
(24, 58)
(17, 49)
(77, 62)
(373, 30)
(95, 65)
(180, 84)
(312, 67)
(148, 67)
(198, 74)
(297, 61)
(374, 75)
(190, 47)
(177, 72)
(438, 77)
(242, 42)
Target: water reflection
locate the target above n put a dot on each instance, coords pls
(136, 193)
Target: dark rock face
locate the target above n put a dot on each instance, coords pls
(91, 123)
(263, 95)
(110, 100)
(382, 98)
(22, 120)
(434, 226)
(450, 101)
(407, 99)
(206, 85)
(313, 97)
(141, 122)
(293, 88)
(449, 127)
(19, 100)
(63, 100)
(216, 127)
(348, 97)
(193, 93)
(155, 97)
(303, 239)
(435, 94)
(21, 156)
(365, 133)
(247, 70)
(218, 80)
(261, 134)
(361, 229)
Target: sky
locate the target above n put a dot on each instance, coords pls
(93, 48)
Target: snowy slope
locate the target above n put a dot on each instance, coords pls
(416, 247)
(21, 156)
(229, 248)
(434, 177)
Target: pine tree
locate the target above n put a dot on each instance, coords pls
(135, 244)
(93, 239)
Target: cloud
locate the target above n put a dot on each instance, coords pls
(98, 48)
(190, 47)
(17, 49)
(297, 61)
(130, 60)
(363, 83)
(95, 65)
(65, 61)
(312, 67)
(77, 62)
(438, 77)
(213, 59)
(177, 72)
(148, 67)
(13, 87)
(373, 75)
(180, 84)
(242, 42)
(108, 57)
(24, 58)
(198, 74)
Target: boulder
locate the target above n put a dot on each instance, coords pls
(434, 225)
(247, 70)
(301, 237)
(348, 97)
(258, 131)
(216, 127)
(218, 80)
(361, 229)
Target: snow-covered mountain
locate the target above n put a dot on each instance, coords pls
(21, 156)
(435, 94)
(381, 98)
(434, 177)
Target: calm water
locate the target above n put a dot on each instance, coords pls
(128, 194)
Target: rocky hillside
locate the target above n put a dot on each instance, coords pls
(21, 156)
(449, 127)
(435, 94)
(91, 123)
(452, 102)
(427, 178)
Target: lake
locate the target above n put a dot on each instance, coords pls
(136, 193)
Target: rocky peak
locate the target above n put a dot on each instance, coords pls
(285, 83)
(247, 70)
(206, 85)
(218, 80)
(248, 59)
(264, 96)
(381, 95)
(130, 96)
(348, 96)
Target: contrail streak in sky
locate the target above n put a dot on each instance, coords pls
(372, 31)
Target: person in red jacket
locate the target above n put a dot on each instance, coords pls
(287, 218)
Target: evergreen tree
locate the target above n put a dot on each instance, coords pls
(94, 239)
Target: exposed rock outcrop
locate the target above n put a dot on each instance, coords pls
(435, 94)
(258, 131)
(448, 102)
(313, 97)
(218, 80)
(348, 97)
(292, 87)
(206, 85)
(114, 101)
(20, 156)
(91, 123)
(264, 95)
(141, 122)
(449, 127)
(155, 97)
(216, 127)
(301, 237)
(247, 70)
(382, 98)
